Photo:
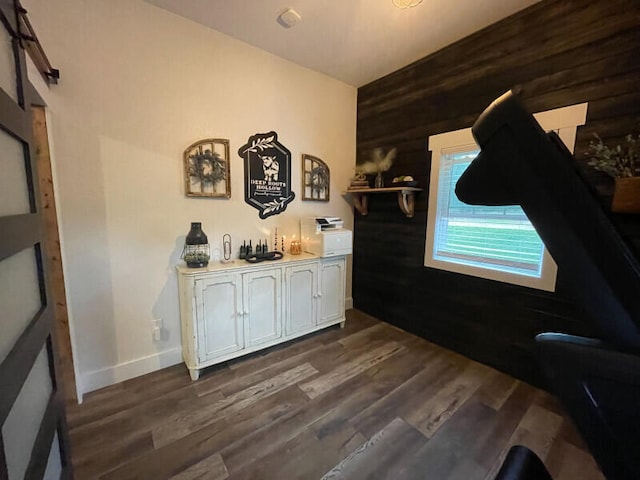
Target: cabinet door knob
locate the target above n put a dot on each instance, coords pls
(319, 294)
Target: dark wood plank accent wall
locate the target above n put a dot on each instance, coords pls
(555, 53)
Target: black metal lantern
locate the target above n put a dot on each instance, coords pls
(196, 247)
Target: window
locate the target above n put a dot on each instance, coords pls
(497, 243)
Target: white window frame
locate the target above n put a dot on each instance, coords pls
(565, 122)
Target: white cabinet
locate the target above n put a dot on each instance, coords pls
(262, 306)
(219, 312)
(332, 288)
(301, 298)
(314, 295)
(230, 310)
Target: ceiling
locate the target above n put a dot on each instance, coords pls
(355, 41)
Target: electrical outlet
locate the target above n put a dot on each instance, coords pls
(157, 329)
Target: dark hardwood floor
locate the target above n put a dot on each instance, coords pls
(366, 401)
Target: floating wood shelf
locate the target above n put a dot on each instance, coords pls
(406, 198)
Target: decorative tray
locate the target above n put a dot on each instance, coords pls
(410, 183)
(261, 257)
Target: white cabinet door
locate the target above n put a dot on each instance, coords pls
(301, 297)
(262, 306)
(332, 290)
(218, 313)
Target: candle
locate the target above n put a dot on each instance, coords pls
(295, 248)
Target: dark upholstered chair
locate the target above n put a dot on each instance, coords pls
(597, 380)
(522, 464)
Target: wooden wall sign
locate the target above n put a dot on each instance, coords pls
(267, 174)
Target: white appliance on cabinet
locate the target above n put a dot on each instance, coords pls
(325, 236)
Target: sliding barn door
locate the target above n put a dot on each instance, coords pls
(34, 440)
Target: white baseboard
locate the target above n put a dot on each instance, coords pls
(124, 371)
(104, 377)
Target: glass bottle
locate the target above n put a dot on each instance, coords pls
(379, 180)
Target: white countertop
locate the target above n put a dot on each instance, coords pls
(218, 267)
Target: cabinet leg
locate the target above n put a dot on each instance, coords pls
(342, 323)
(195, 374)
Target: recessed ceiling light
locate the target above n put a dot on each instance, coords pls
(289, 18)
(406, 3)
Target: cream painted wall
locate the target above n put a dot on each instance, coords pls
(138, 86)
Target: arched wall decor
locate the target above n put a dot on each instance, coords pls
(315, 179)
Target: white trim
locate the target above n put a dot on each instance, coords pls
(104, 377)
(451, 139)
(133, 368)
(565, 121)
(348, 303)
(564, 117)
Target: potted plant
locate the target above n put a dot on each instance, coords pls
(378, 164)
(621, 162)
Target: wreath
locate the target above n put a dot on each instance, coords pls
(208, 167)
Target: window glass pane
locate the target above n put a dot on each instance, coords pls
(494, 237)
(19, 296)
(54, 464)
(7, 65)
(14, 191)
(20, 430)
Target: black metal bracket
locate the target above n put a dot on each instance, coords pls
(29, 41)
